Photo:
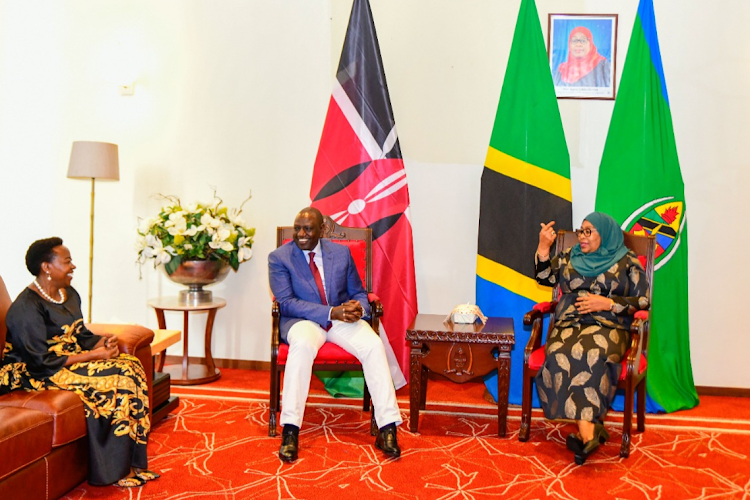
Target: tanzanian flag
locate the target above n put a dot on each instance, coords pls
(641, 186)
(526, 181)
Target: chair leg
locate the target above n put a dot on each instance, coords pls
(366, 399)
(273, 406)
(641, 392)
(627, 419)
(423, 388)
(528, 386)
(373, 424)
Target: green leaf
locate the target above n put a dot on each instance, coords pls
(234, 261)
(173, 264)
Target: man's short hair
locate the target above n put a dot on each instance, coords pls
(314, 211)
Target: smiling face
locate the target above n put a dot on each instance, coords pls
(580, 46)
(592, 242)
(308, 227)
(60, 268)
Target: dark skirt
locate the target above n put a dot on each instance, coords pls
(579, 377)
(115, 400)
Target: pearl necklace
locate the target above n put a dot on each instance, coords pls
(50, 299)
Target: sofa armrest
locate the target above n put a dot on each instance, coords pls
(130, 338)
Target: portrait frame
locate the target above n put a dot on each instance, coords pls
(578, 73)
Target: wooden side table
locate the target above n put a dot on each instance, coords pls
(459, 352)
(187, 374)
(163, 401)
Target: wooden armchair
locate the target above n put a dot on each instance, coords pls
(633, 377)
(330, 357)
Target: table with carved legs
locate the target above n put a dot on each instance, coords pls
(459, 352)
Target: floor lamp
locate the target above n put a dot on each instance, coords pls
(93, 160)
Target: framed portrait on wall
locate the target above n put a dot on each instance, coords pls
(582, 52)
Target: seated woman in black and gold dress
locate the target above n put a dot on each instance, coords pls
(49, 348)
(602, 284)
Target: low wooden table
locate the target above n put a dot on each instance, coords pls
(459, 352)
(187, 374)
(163, 400)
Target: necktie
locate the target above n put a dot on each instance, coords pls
(318, 280)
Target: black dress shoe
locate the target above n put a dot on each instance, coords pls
(574, 443)
(289, 444)
(600, 437)
(386, 441)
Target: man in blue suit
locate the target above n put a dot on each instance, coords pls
(321, 299)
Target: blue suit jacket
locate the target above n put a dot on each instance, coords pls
(294, 287)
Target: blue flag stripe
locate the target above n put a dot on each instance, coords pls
(648, 24)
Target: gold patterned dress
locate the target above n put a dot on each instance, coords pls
(114, 392)
(579, 377)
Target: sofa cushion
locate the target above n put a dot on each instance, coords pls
(65, 408)
(25, 436)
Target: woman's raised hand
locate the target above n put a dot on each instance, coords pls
(546, 238)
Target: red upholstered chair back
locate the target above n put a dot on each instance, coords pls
(359, 241)
(4, 306)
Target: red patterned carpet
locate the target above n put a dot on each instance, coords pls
(216, 446)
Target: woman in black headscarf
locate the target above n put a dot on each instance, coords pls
(49, 348)
(602, 284)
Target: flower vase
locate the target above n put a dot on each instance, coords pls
(196, 274)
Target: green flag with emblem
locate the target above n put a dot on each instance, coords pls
(640, 185)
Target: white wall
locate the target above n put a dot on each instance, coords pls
(233, 94)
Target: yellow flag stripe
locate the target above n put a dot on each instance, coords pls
(528, 173)
(512, 280)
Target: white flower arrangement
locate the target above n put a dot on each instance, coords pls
(200, 231)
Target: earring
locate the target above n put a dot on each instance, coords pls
(49, 278)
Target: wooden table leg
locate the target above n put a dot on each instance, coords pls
(415, 384)
(209, 331)
(159, 365)
(503, 388)
(185, 338)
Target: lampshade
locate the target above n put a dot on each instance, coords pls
(97, 160)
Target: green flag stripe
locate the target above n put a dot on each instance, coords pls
(527, 124)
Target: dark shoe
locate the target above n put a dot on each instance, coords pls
(600, 437)
(387, 442)
(289, 444)
(574, 443)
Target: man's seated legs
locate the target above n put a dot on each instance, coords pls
(305, 339)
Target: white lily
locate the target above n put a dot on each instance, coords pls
(244, 254)
(146, 225)
(208, 221)
(157, 250)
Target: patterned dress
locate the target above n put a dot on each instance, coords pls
(579, 377)
(114, 391)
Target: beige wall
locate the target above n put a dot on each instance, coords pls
(233, 94)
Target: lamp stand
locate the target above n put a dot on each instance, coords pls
(91, 249)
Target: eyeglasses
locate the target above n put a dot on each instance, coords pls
(580, 41)
(586, 231)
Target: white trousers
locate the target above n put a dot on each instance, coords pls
(307, 337)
